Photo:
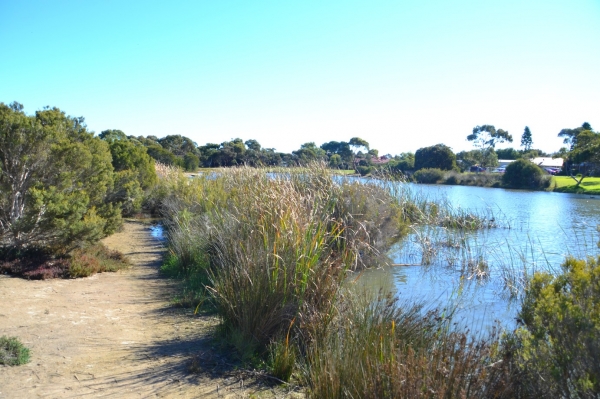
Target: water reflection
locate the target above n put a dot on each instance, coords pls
(537, 231)
(157, 231)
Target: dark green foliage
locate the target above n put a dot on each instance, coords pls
(12, 351)
(526, 139)
(557, 351)
(485, 138)
(364, 170)
(191, 162)
(438, 156)
(473, 179)
(584, 157)
(429, 176)
(400, 164)
(134, 171)
(178, 145)
(308, 153)
(162, 155)
(570, 135)
(359, 143)
(508, 153)
(525, 175)
(54, 181)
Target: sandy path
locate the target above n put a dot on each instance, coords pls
(112, 335)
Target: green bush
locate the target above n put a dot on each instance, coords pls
(558, 349)
(429, 175)
(12, 351)
(524, 174)
(452, 179)
(364, 169)
(95, 259)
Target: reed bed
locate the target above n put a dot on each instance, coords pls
(383, 349)
(271, 253)
(275, 248)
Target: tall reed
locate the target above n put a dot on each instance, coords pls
(382, 349)
(275, 248)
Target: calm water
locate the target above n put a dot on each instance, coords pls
(537, 230)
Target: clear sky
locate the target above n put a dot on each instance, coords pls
(399, 74)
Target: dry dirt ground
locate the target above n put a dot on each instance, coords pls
(116, 335)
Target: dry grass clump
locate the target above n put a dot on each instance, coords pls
(379, 349)
(276, 247)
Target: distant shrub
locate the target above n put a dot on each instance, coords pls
(12, 351)
(429, 175)
(481, 179)
(524, 174)
(452, 178)
(364, 169)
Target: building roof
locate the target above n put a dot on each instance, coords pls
(546, 162)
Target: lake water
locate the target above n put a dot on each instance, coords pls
(536, 231)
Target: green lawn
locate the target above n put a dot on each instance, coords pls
(565, 184)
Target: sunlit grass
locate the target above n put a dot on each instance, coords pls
(589, 185)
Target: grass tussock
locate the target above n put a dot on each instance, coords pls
(379, 349)
(12, 351)
(275, 248)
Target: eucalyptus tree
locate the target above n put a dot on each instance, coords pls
(485, 138)
(570, 135)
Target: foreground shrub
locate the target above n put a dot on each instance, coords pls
(524, 174)
(55, 181)
(558, 349)
(40, 264)
(428, 176)
(12, 351)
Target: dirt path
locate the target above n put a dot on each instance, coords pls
(113, 335)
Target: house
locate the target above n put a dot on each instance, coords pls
(380, 160)
(503, 163)
(546, 162)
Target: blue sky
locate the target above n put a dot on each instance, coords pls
(400, 74)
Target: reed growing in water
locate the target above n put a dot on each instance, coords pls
(272, 253)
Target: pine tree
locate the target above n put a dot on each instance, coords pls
(526, 140)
